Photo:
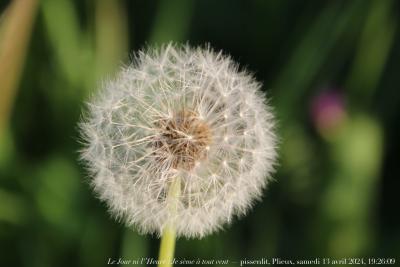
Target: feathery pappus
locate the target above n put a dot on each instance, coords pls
(184, 113)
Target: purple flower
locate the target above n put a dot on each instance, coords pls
(328, 111)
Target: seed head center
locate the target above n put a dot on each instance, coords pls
(182, 140)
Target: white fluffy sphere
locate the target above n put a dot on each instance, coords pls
(179, 113)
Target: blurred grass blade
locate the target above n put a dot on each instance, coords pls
(111, 35)
(172, 21)
(3, 16)
(61, 23)
(373, 50)
(14, 41)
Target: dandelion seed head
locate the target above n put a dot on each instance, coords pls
(180, 112)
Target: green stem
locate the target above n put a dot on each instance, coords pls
(167, 246)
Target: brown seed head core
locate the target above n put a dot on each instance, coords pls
(183, 140)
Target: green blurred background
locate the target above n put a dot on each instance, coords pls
(330, 69)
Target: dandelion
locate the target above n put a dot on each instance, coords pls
(180, 142)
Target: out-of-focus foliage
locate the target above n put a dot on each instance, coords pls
(330, 68)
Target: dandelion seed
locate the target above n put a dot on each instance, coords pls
(179, 113)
